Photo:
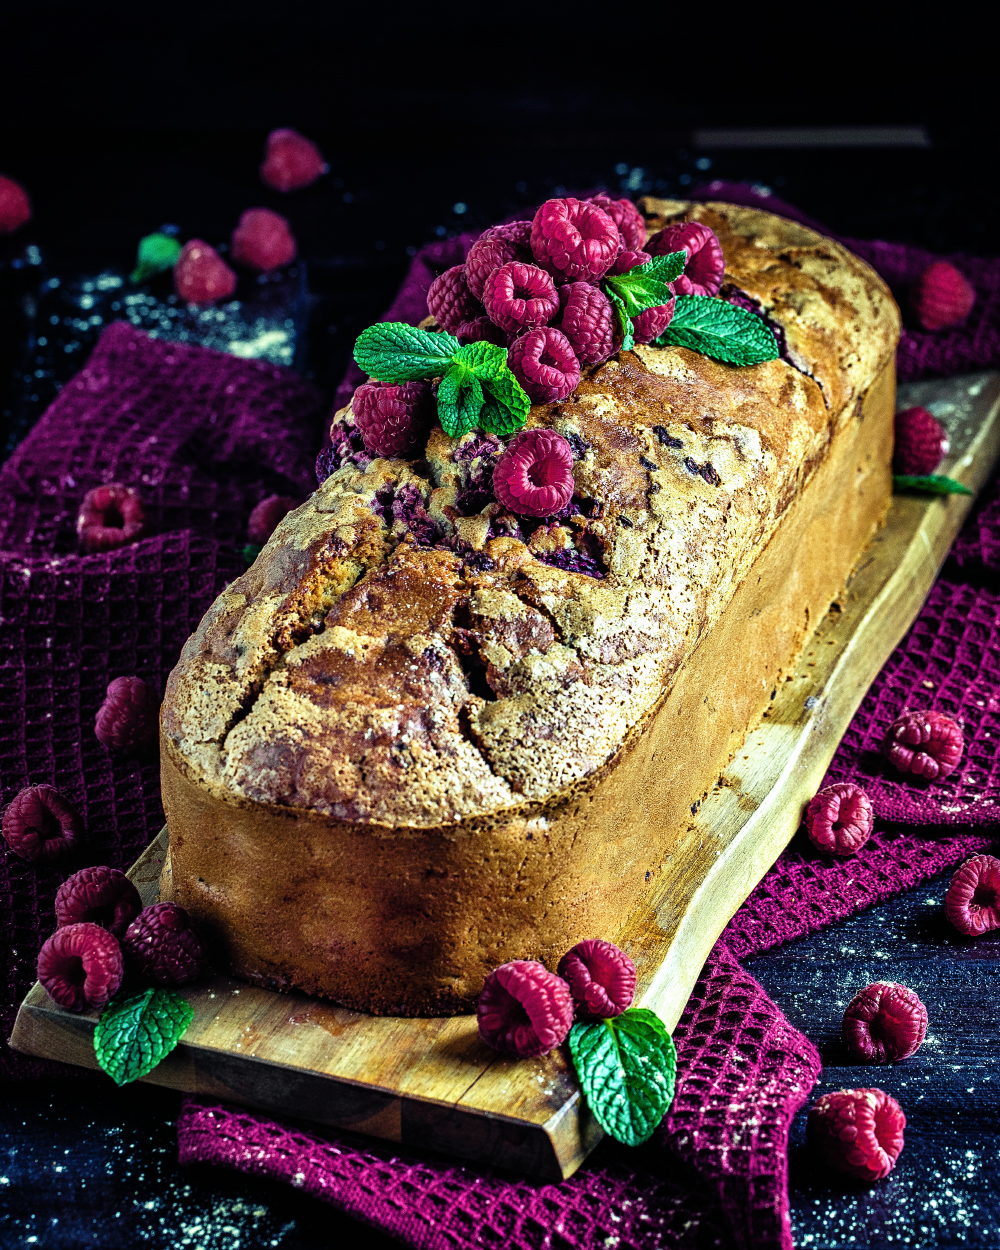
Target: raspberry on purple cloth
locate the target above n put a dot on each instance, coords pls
(110, 516)
(587, 321)
(15, 206)
(601, 978)
(921, 443)
(574, 240)
(41, 823)
(80, 966)
(651, 322)
(481, 330)
(201, 276)
(263, 240)
(839, 819)
(162, 947)
(942, 296)
(706, 265)
(98, 895)
(128, 719)
(927, 744)
(626, 217)
(291, 161)
(449, 300)
(394, 417)
(534, 476)
(524, 1009)
(266, 515)
(490, 251)
(520, 297)
(544, 362)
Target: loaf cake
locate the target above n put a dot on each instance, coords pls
(415, 741)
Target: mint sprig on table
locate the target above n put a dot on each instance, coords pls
(136, 1031)
(626, 1067)
(720, 330)
(157, 253)
(931, 484)
(477, 388)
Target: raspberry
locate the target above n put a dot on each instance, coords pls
(518, 232)
(574, 239)
(41, 823)
(705, 265)
(544, 362)
(291, 161)
(15, 206)
(942, 296)
(524, 1009)
(449, 300)
(128, 717)
(481, 330)
(857, 1131)
(587, 321)
(98, 895)
(626, 217)
(201, 276)
(110, 516)
(600, 976)
(884, 1022)
(265, 517)
(627, 261)
(80, 966)
(520, 297)
(928, 744)
(162, 947)
(839, 819)
(921, 443)
(972, 903)
(534, 476)
(262, 240)
(491, 250)
(393, 417)
(651, 323)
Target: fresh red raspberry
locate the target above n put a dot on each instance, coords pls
(492, 250)
(651, 323)
(162, 947)
(884, 1022)
(41, 823)
(839, 819)
(524, 1009)
(80, 966)
(942, 296)
(110, 516)
(544, 362)
(15, 206)
(574, 239)
(921, 443)
(601, 978)
(927, 744)
(449, 300)
(394, 417)
(518, 232)
(587, 321)
(265, 517)
(625, 262)
(520, 297)
(98, 895)
(481, 330)
(262, 240)
(291, 161)
(972, 903)
(857, 1131)
(128, 720)
(626, 217)
(201, 276)
(534, 476)
(705, 266)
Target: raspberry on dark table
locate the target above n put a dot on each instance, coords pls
(601, 978)
(524, 1009)
(574, 240)
(161, 946)
(41, 823)
(128, 719)
(98, 895)
(520, 297)
(534, 476)
(858, 1132)
(884, 1023)
(266, 515)
(201, 276)
(394, 418)
(706, 265)
(927, 744)
(544, 362)
(263, 240)
(839, 819)
(972, 903)
(110, 516)
(449, 300)
(80, 966)
(291, 161)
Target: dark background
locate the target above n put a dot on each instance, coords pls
(434, 119)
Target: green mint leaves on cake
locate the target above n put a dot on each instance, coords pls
(626, 1066)
(645, 286)
(136, 1031)
(157, 253)
(930, 484)
(720, 330)
(393, 351)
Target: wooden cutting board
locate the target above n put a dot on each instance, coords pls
(431, 1084)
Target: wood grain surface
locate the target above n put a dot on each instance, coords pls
(431, 1083)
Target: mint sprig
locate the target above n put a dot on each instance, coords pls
(930, 484)
(157, 252)
(627, 1068)
(646, 286)
(136, 1031)
(624, 321)
(719, 330)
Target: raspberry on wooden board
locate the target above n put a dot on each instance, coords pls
(651, 322)
(524, 1009)
(98, 895)
(80, 966)
(161, 945)
(884, 1022)
(41, 823)
(601, 978)
(921, 443)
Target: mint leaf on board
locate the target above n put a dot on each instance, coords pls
(626, 1067)
(719, 330)
(932, 484)
(157, 252)
(506, 407)
(392, 351)
(624, 321)
(136, 1031)
(459, 400)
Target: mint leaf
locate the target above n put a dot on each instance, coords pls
(156, 253)
(932, 484)
(506, 407)
(645, 286)
(626, 1067)
(486, 360)
(665, 268)
(719, 330)
(393, 351)
(459, 400)
(624, 321)
(250, 552)
(136, 1031)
